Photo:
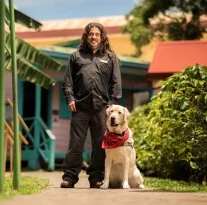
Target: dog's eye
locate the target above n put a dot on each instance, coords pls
(120, 113)
(112, 111)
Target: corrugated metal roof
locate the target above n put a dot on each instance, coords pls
(79, 23)
(107, 21)
(69, 50)
(172, 57)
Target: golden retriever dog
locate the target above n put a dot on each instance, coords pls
(120, 167)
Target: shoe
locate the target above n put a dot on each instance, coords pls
(96, 184)
(67, 184)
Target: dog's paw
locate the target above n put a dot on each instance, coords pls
(141, 186)
(125, 185)
(105, 185)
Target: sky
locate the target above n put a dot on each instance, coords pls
(65, 9)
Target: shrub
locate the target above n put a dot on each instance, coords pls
(172, 129)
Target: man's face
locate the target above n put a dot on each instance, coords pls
(94, 39)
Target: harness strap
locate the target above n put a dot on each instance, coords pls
(128, 144)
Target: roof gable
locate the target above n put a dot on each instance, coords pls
(172, 57)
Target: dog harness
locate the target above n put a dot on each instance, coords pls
(113, 140)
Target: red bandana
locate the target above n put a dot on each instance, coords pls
(112, 140)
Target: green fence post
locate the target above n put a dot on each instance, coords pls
(16, 176)
(51, 155)
(2, 92)
(150, 91)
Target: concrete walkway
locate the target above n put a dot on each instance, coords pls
(82, 195)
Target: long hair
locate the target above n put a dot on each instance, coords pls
(105, 47)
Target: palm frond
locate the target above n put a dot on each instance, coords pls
(23, 19)
(33, 55)
(28, 72)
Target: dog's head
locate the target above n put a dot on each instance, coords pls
(117, 118)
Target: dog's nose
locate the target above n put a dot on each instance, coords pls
(112, 119)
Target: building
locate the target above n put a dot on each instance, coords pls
(174, 56)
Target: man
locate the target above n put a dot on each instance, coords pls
(92, 71)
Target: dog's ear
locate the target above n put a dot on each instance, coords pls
(108, 110)
(126, 114)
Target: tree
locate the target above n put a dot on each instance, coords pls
(175, 20)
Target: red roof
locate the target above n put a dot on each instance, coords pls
(172, 57)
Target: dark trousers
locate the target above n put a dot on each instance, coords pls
(80, 122)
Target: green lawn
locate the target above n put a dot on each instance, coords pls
(173, 186)
(28, 185)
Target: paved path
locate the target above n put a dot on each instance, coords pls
(82, 195)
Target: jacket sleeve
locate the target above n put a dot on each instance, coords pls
(67, 85)
(116, 86)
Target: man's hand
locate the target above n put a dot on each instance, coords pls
(71, 106)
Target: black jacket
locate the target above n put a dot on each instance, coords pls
(89, 78)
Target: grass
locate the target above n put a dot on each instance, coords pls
(28, 185)
(173, 186)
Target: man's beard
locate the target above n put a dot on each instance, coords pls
(93, 47)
